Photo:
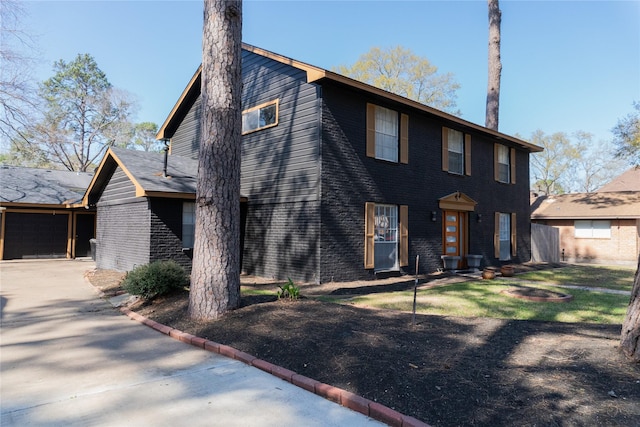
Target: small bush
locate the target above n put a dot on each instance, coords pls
(157, 278)
(289, 290)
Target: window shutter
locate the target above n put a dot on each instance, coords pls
(404, 138)
(496, 164)
(445, 149)
(496, 236)
(514, 227)
(404, 235)
(467, 155)
(369, 234)
(371, 130)
(512, 164)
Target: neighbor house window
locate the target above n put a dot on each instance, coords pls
(260, 117)
(456, 152)
(386, 236)
(387, 134)
(504, 239)
(188, 224)
(504, 164)
(592, 229)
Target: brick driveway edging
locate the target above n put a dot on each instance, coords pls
(342, 397)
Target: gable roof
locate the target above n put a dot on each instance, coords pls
(20, 186)
(628, 181)
(610, 205)
(145, 170)
(316, 74)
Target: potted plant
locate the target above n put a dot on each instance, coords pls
(473, 261)
(506, 270)
(450, 261)
(489, 273)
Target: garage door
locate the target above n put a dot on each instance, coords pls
(35, 235)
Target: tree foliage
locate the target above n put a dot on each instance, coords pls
(143, 137)
(400, 71)
(571, 163)
(83, 114)
(551, 168)
(80, 115)
(627, 135)
(17, 91)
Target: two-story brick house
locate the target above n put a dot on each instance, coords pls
(344, 181)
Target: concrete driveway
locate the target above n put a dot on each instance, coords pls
(68, 358)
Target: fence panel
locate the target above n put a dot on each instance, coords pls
(545, 243)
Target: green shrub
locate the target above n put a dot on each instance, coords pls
(157, 278)
(289, 290)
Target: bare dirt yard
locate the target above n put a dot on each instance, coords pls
(446, 371)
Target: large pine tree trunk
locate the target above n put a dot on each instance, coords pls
(495, 66)
(215, 276)
(630, 339)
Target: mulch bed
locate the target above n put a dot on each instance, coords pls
(446, 371)
(537, 294)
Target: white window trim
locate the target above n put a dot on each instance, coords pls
(503, 151)
(505, 236)
(592, 229)
(451, 151)
(384, 134)
(391, 236)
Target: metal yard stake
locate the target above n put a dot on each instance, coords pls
(415, 292)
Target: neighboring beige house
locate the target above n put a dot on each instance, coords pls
(600, 227)
(628, 181)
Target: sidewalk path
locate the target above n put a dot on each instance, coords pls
(579, 287)
(68, 358)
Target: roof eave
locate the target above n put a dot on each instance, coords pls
(581, 217)
(109, 158)
(187, 93)
(422, 107)
(315, 74)
(36, 205)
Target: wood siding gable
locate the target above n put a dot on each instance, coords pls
(281, 163)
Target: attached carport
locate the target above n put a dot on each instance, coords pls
(36, 235)
(40, 216)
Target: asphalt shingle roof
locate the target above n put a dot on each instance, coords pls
(147, 170)
(41, 186)
(621, 204)
(628, 181)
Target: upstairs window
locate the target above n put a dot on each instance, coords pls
(504, 167)
(387, 134)
(260, 117)
(456, 152)
(504, 164)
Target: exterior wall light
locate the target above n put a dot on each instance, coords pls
(434, 216)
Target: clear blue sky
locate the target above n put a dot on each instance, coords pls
(567, 65)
